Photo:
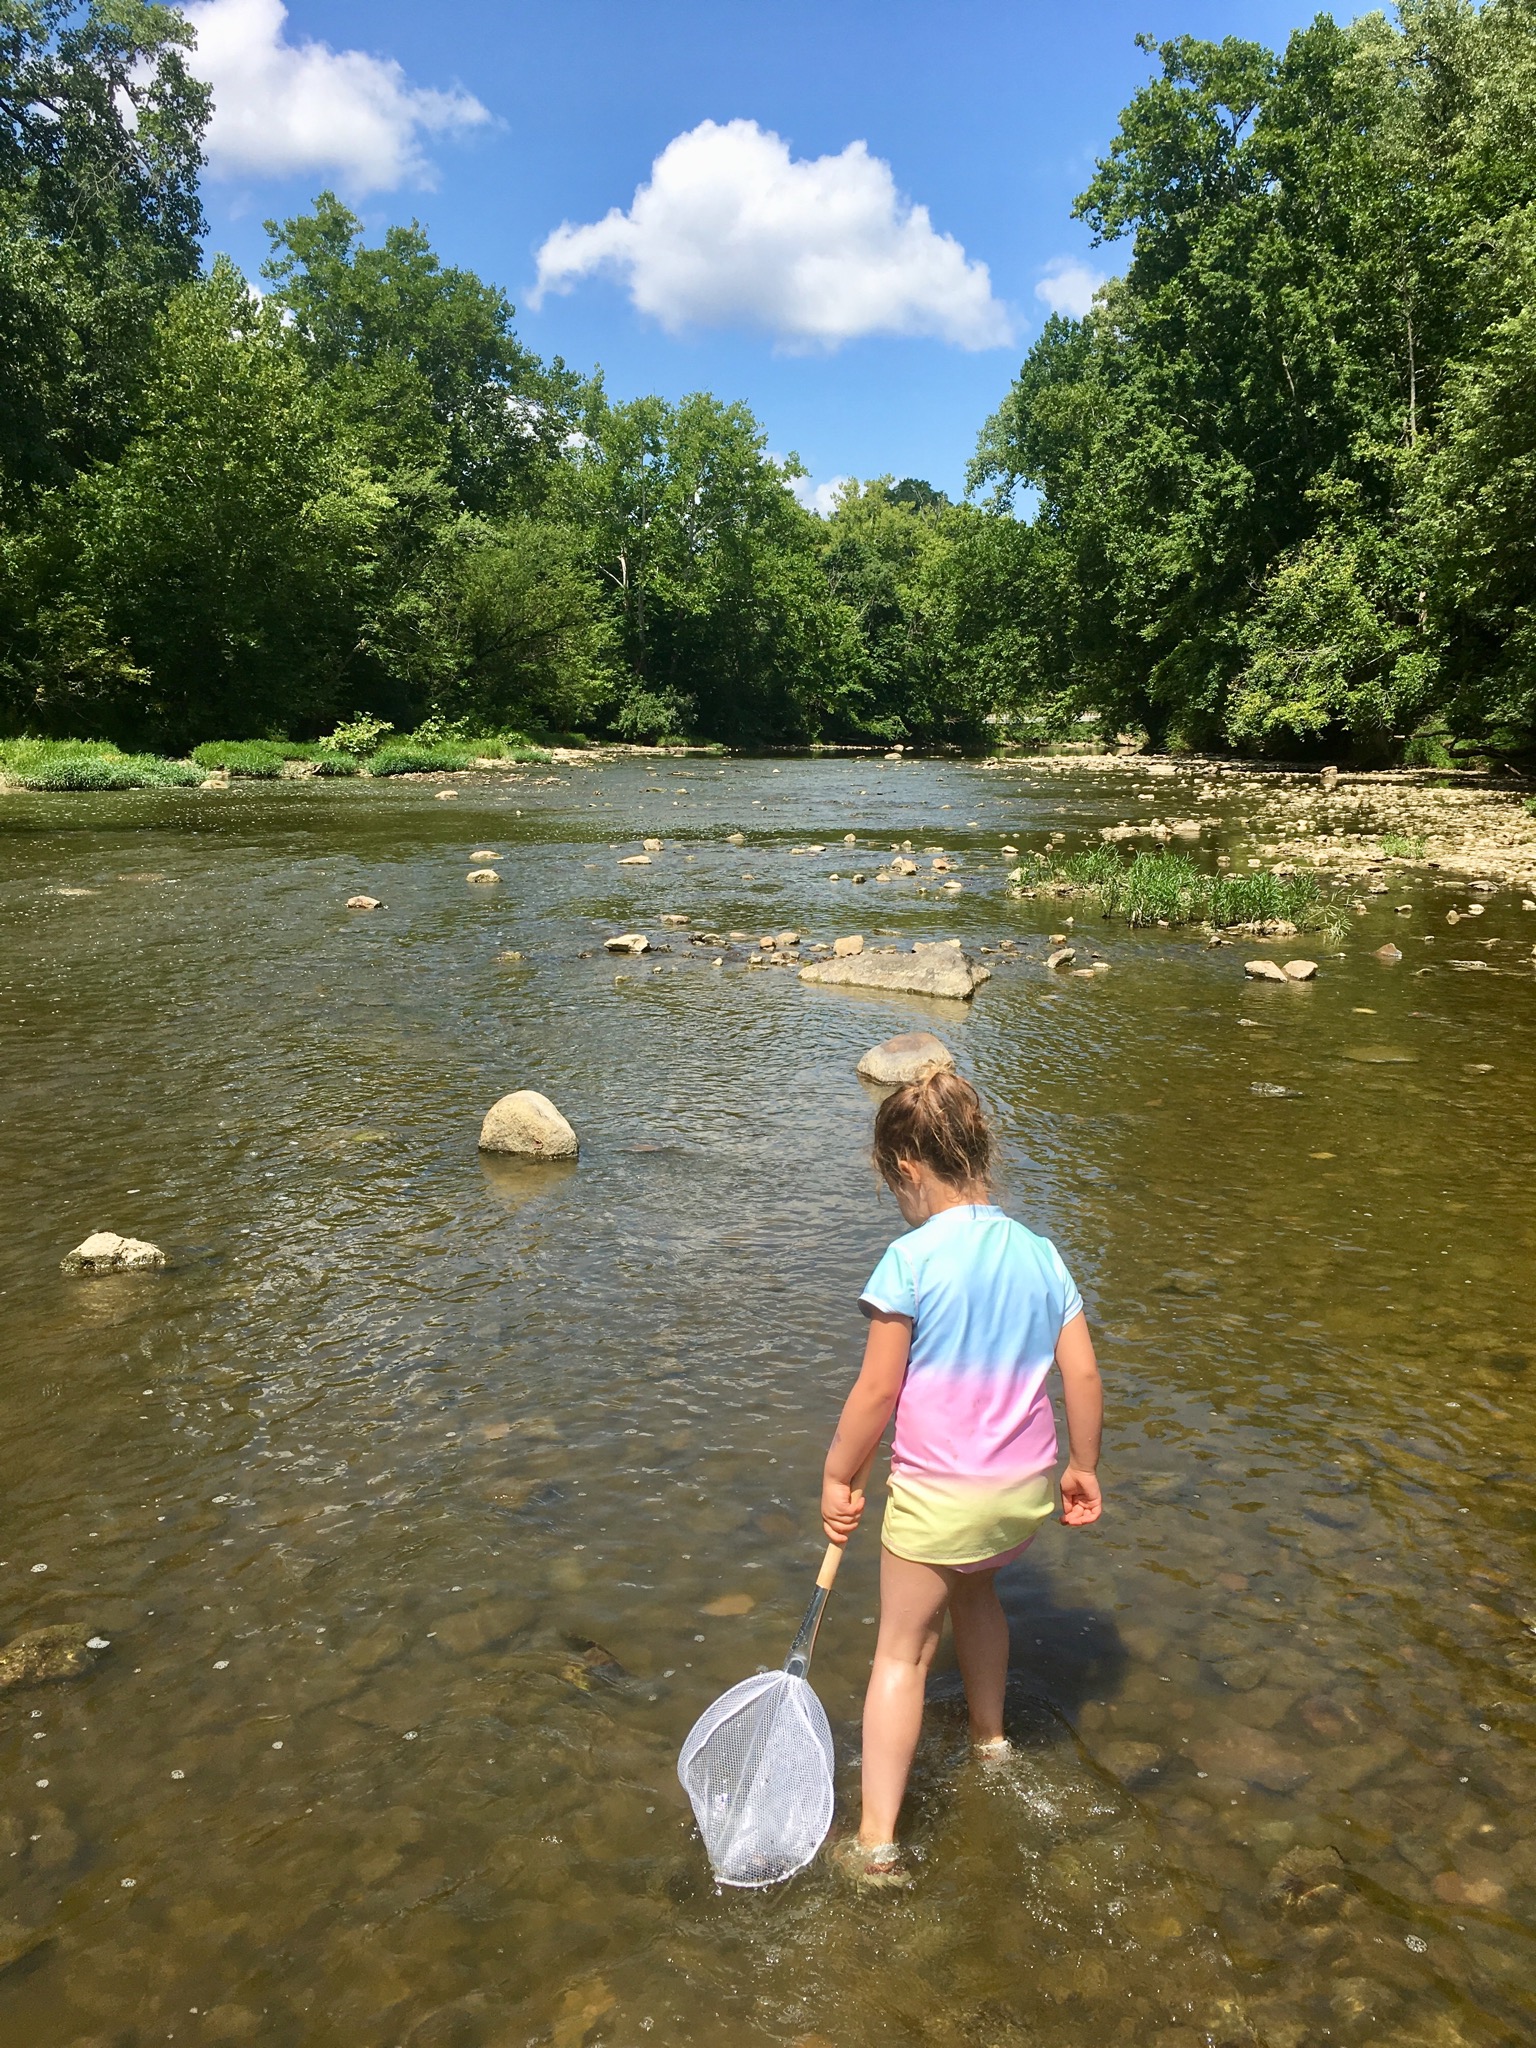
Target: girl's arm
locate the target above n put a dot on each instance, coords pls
(862, 1423)
(1081, 1501)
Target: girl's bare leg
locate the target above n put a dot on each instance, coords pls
(912, 1599)
(981, 1644)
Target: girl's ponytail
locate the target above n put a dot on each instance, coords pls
(938, 1122)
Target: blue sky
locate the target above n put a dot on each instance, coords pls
(770, 258)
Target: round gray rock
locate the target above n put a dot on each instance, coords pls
(527, 1125)
(910, 1056)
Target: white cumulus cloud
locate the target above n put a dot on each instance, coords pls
(1068, 286)
(819, 498)
(732, 231)
(282, 107)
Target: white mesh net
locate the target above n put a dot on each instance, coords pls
(758, 1767)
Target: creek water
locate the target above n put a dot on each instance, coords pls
(425, 1500)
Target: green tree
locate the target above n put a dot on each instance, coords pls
(100, 146)
(527, 636)
(724, 623)
(221, 574)
(423, 355)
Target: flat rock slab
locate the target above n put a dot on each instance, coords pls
(527, 1125)
(1264, 970)
(910, 1056)
(105, 1252)
(939, 971)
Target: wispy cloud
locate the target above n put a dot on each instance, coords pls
(732, 231)
(282, 107)
(1068, 286)
(819, 498)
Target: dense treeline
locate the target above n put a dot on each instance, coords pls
(1286, 469)
(1277, 489)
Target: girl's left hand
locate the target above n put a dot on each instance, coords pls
(1081, 1500)
(841, 1508)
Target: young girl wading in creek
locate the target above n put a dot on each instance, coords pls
(967, 1312)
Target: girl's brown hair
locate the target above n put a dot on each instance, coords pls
(939, 1122)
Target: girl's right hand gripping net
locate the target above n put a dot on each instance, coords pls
(757, 1766)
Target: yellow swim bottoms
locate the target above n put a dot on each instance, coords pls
(956, 1522)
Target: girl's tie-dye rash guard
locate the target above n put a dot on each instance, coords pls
(975, 1431)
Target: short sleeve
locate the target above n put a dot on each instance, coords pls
(891, 1288)
(1071, 1300)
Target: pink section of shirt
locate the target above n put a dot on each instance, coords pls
(966, 1420)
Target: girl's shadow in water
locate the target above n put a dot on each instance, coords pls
(1065, 1654)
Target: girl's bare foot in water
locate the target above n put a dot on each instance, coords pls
(879, 1865)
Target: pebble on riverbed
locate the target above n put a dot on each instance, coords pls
(105, 1252)
(910, 1056)
(528, 1126)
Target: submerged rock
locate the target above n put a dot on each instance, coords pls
(64, 1650)
(1062, 957)
(1300, 970)
(482, 875)
(1253, 1755)
(935, 971)
(627, 942)
(363, 903)
(1263, 970)
(1128, 1761)
(910, 1056)
(1389, 953)
(635, 860)
(484, 853)
(902, 866)
(527, 1125)
(105, 1252)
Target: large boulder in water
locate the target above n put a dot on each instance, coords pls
(528, 1126)
(910, 1056)
(936, 970)
(105, 1252)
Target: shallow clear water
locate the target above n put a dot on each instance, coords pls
(356, 1484)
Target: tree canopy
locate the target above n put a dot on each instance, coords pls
(1275, 491)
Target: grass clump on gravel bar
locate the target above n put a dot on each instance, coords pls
(260, 758)
(89, 764)
(1168, 888)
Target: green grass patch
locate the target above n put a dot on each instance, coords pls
(89, 764)
(406, 757)
(1168, 888)
(262, 759)
(1530, 805)
(1403, 846)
